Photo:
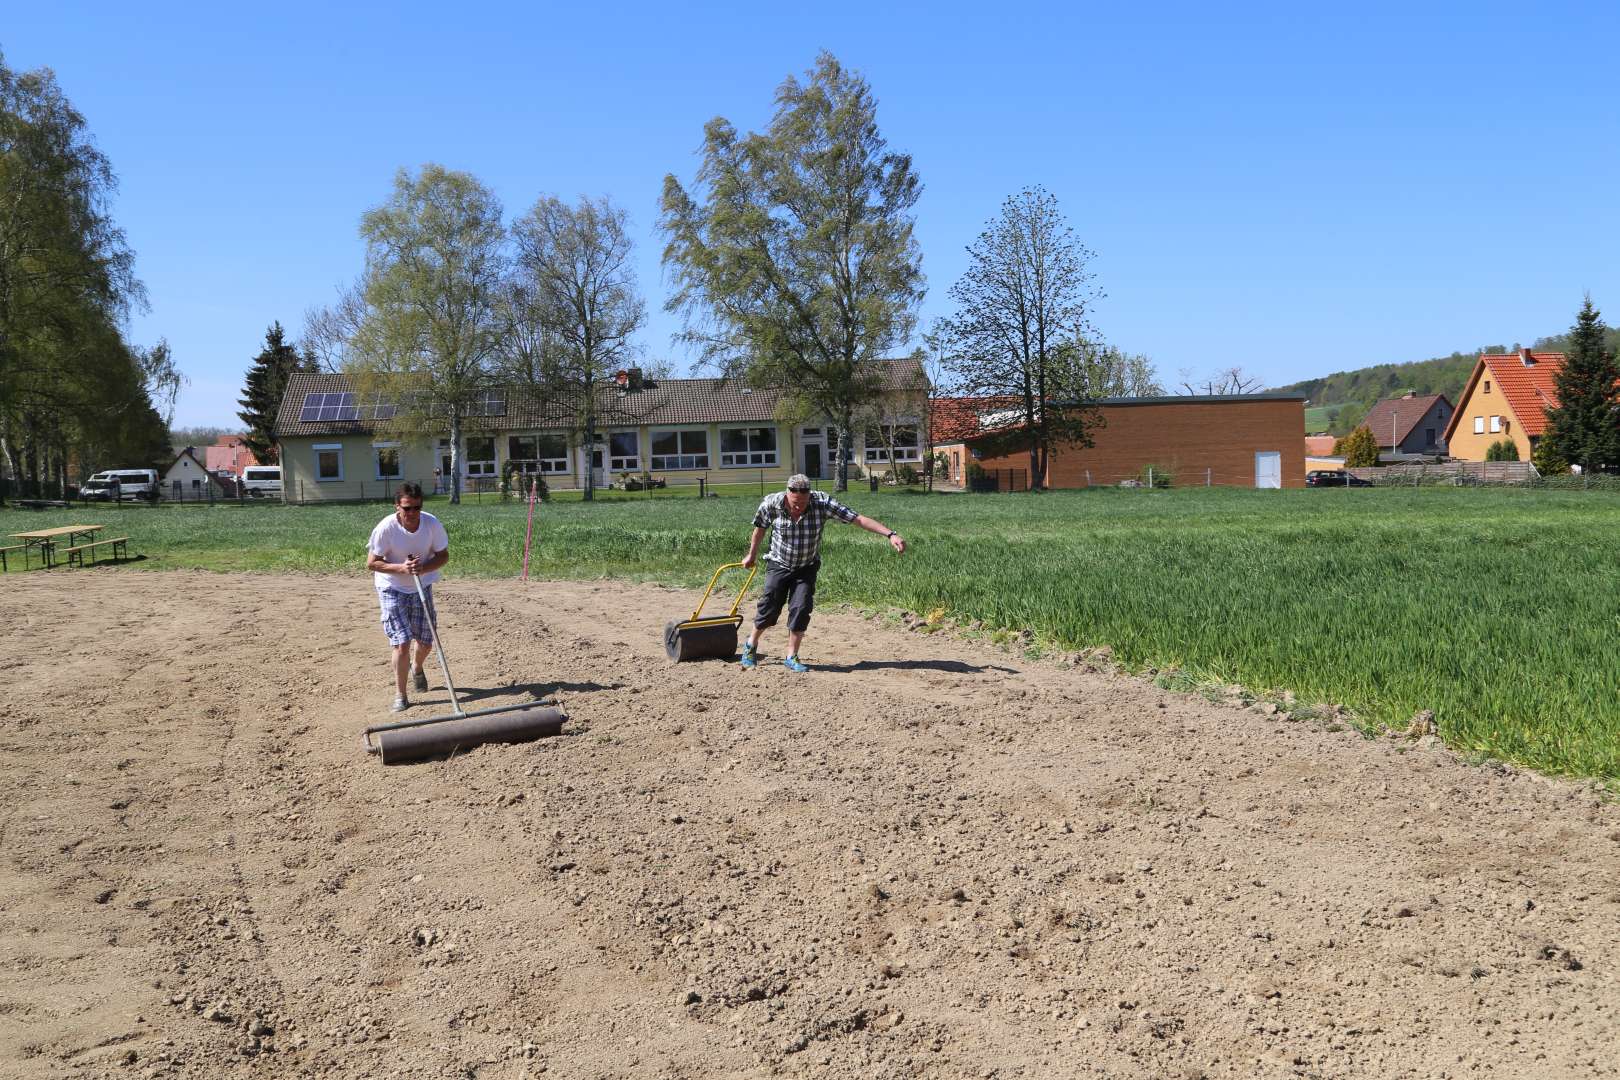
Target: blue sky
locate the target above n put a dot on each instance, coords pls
(1297, 193)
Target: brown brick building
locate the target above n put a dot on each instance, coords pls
(1246, 440)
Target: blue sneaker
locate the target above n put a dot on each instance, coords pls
(793, 663)
(748, 658)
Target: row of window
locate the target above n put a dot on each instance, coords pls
(1498, 423)
(673, 450)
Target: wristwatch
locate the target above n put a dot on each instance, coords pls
(890, 536)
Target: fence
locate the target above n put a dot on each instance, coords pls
(1458, 473)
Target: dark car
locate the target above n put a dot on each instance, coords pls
(1334, 478)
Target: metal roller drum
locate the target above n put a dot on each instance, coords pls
(712, 638)
(447, 736)
(683, 641)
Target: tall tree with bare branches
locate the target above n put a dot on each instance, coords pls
(1021, 313)
(573, 304)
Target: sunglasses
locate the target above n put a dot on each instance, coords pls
(417, 509)
(800, 491)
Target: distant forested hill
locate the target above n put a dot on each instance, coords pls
(1341, 400)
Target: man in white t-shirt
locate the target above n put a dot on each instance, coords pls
(408, 541)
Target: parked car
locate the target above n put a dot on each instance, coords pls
(1334, 478)
(96, 489)
(261, 481)
(130, 484)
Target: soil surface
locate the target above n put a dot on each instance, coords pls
(927, 857)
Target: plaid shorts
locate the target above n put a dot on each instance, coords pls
(403, 618)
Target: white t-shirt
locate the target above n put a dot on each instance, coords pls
(395, 544)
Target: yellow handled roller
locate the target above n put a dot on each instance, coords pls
(698, 638)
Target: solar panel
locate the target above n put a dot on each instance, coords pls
(321, 407)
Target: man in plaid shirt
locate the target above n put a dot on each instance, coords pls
(795, 518)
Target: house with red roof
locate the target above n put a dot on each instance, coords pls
(228, 455)
(1410, 425)
(1507, 397)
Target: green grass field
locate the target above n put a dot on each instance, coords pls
(1319, 417)
(1497, 609)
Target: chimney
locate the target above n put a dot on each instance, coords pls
(1409, 395)
(622, 378)
(1526, 359)
(634, 375)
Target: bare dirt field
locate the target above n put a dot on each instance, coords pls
(926, 858)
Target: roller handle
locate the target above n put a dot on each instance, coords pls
(444, 665)
(697, 612)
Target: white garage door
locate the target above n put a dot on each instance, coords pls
(1268, 469)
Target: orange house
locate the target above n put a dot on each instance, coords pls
(1507, 397)
(1238, 440)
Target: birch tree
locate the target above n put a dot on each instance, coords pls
(422, 331)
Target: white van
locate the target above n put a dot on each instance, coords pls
(259, 481)
(129, 483)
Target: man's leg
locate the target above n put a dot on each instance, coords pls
(801, 601)
(402, 667)
(418, 672)
(769, 605)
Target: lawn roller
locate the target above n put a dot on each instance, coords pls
(698, 638)
(414, 740)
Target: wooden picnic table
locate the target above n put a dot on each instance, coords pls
(46, 539)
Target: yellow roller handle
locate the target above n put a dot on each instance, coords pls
(735, 604)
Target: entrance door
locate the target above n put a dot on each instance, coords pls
(1268, 469)
(812, 460)
(599, 477)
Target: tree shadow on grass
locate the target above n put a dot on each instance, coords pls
(955, 667)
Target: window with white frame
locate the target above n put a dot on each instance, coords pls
(1496, 424)
(480, 456)
(552, 452)
(1479, 425)
(387, 460)
(902, 437)
(624, 451)
(328, 461)
(681, 449)
(751, 446)
(522, 452)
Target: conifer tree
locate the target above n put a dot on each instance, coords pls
(1360, 448)
(1584, 428)
(261, 397)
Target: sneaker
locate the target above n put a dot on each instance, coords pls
(793, 663)
(400, 704)
(418, 679)
(749, 659)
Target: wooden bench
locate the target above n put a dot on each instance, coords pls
(5, 551)
(76, 554)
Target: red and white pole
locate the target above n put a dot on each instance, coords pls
(528, 533)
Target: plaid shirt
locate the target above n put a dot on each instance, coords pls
(798, 543)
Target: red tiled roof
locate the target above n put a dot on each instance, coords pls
(1398, 416)
(1319, 445)
(953, 420)
(1527, 388)
(229, 454)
